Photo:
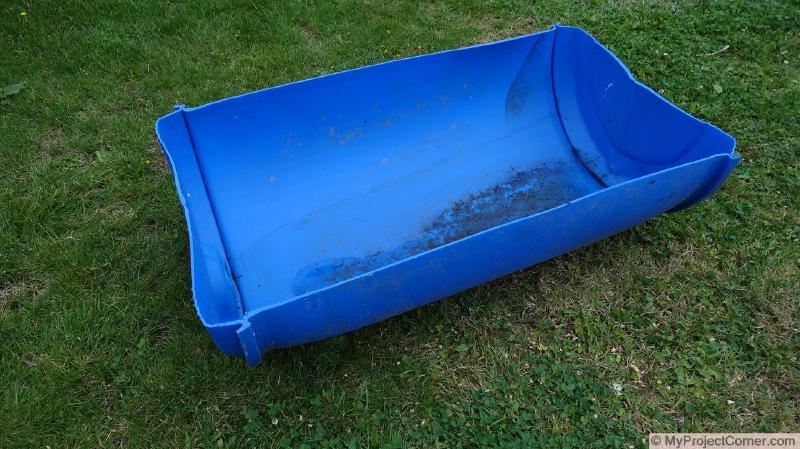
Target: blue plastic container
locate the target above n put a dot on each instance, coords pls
(324, 205)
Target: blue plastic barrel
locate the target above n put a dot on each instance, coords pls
(321, 206)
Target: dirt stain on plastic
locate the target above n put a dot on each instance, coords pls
(521, 194)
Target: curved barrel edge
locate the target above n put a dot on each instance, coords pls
(619, 128)
(215, 293)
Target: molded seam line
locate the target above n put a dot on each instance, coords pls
(229, 272)
(558, 110)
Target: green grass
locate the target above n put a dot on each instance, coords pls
(696, 315)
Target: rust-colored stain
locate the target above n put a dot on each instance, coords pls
(521, 194)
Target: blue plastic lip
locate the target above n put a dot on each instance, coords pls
(182, 200)
(192, 249)
(244, 320)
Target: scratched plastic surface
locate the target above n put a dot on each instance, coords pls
(321, 206)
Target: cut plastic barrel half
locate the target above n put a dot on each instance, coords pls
(321, 206)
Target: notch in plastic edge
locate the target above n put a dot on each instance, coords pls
(247, 338)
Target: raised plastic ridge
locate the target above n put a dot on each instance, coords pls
(321, 206)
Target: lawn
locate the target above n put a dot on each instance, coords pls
(689, 322)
